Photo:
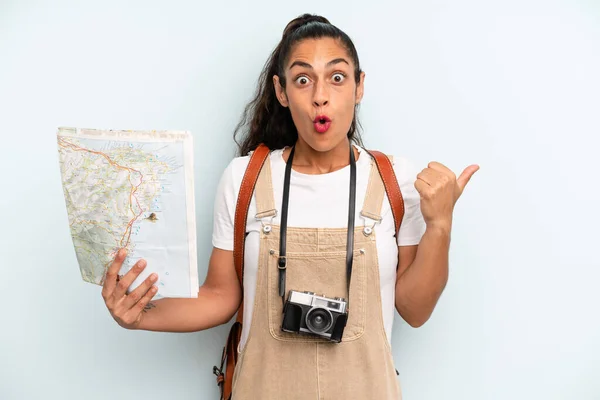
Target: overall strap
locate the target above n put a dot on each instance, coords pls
(374, 195)
(390, 182)
(263, 193)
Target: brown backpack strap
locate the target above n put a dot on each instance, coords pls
(257, 160)
(386, 170)
(241, 209)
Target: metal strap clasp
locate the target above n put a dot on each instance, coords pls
(282, 262)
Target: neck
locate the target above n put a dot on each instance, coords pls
(310, 161)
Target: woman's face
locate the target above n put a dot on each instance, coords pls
(320, 92)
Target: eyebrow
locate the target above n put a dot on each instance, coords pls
(307, 65)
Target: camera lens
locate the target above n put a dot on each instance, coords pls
(318, 320)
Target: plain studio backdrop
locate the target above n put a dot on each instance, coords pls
(511, 85)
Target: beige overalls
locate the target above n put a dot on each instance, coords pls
(280, 365)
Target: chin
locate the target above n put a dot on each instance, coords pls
(321, 145)
(324, 142)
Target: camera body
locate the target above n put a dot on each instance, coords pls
(311, 314)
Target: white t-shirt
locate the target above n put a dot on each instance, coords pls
(313, 203)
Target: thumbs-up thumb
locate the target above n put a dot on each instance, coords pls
(466, 175)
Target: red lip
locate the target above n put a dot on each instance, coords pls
(321, 118)
(322, 123)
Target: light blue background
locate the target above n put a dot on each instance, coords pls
(511, 85)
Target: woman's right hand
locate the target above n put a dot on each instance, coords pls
(127, 309)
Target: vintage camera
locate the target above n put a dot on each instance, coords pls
(311, 314)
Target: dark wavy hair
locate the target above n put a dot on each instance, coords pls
(264, 119)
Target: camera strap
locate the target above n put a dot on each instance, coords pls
(282, 262)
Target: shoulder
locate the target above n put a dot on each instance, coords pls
(405, 168)
(235, 170)
(231, 178)
(237, 165)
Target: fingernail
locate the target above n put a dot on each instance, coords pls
(122, 253)
(153, 277)
(142, 263)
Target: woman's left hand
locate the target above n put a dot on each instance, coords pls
(440, 189)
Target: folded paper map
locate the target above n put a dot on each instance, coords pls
(133, 190)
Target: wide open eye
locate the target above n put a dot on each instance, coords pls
(302, 80)
(338, 77)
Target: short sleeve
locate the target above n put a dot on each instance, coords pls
(224, 211)
(413, 224)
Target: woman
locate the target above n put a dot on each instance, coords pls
(298, 238)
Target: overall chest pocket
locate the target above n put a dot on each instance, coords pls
(323, 273)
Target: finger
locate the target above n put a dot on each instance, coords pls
(429, 176)
(126, 281)
(465, 177)
(140, 291)
(142, 303)
(110, 279)
(422, 187)
(436, 166)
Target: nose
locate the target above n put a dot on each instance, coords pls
(321, 94)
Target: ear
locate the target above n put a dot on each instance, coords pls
(360, 88)
(280, 92)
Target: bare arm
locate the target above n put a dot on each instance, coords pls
(423, 270)
(422, 276)
(218, 299)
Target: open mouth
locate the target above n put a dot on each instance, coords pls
(322, 123)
